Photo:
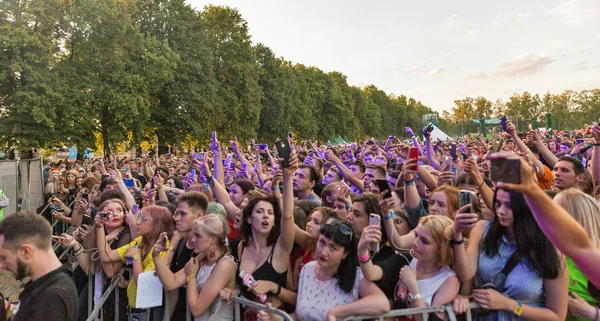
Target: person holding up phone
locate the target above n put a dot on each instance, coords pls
(511, 260)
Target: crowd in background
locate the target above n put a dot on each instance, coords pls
(335, 231)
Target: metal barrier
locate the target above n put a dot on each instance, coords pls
(105, 295)
(22, 177)
(424, 312)
(239, 301)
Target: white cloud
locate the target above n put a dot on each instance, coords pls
(475, 76)
(575, 12)
(524, 65)
(414, 68)
(437, 71)
(473, 32)
(453, 51)
(452, 20)
(580, 66)
(506, 17)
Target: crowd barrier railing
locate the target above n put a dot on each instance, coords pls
(424, 312)
(113, 285)
(239, 302)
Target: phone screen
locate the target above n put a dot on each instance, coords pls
(129, 182)
(375, 220)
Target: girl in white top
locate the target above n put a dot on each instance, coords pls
(333, 287)
(429, 280)
(205, 275)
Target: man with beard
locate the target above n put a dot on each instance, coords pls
(190, 206)
(26, 251)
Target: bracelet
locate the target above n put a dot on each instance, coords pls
(189, 277)
(170, 248)
(392, 213)
(206, 186)
(454, 242)
(135, 257)
(482, 182)
(365, 259)
(519, 309)
(78, 253)
(409, 183)
(275, 188)
(278, 290)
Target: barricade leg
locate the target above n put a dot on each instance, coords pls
(117, 306)
(90, 293)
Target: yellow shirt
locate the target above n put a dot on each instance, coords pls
(147, 265)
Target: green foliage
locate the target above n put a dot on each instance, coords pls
(72, 72)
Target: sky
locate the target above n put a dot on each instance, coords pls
(436, 51)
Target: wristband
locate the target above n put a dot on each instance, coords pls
(135, 257)
(389, 216)
(170, 248)
(275, 188)
(206, 186)
(365, 259)
(348, 207)
(453, 241)
(409, 183)
(192, 276)
(519, 309)
(278, 290)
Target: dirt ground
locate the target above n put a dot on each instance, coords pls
(8, 283)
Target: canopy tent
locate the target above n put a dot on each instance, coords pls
(439, 134)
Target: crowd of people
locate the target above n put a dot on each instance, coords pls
(326, 232)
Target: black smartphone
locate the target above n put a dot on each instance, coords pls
(384, 186)
(579, 141)
(465, 197)
(284, 151)
(507, 170)
(453, 151)
(85, 196)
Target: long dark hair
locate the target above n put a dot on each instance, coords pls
(371, 203)
(346, 272)
(532, 244)
(246, 228)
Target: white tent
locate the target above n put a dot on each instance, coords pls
(438, 133)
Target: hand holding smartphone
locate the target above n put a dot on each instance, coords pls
(284, 150)
(375, 220)
(414, 154)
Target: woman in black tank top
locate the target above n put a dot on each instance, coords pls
(267, 240)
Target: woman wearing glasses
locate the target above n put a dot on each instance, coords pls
(333, 286)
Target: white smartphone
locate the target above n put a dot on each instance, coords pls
(375, 220)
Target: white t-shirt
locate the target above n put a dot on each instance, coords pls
(316, 297)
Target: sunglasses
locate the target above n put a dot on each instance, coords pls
(344, 228)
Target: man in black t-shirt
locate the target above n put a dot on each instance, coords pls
(26, 251)
(190, 206)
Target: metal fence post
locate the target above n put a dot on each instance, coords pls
(167, 314)
(90, 292)
(117, 307)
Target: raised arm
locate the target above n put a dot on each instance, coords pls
(571, 239)
(170, 280)
(219, 175)
(107, 255)
(286, 238)
(547, 154)
(596, 160)
(430, 153)
(344, 171)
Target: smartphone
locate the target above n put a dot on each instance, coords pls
(375, 220)
(262, 146)
(414, 154)
(453, 151)
(214, 136)
(134, 209)
(497, 145)
(199, 156)
(507, 170)
(465, 197)
(284, 150)
(391, 137)
(384, 186)
(244, 167)
(193, 173)
(579, 141)
(129, 182)
(503, 123)
(85, 196)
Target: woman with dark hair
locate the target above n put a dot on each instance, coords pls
(332, 286)
(518, 273)
(267, 234)
(362, 206)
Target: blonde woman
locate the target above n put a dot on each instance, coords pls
(205, 275)
(586, 211)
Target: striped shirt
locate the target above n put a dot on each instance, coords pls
(522, 284)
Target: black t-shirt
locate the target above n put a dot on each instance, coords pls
(391, 273)
(182, 256)
(51, 297)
